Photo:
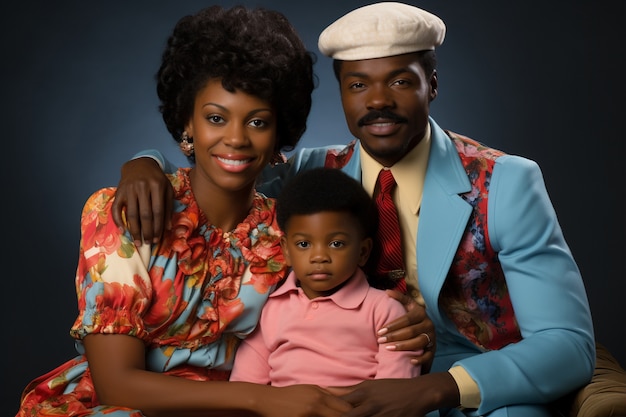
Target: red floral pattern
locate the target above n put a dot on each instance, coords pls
(187, 296)
(475, 295)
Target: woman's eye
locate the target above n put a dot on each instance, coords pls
(215, 119)
(258, 123)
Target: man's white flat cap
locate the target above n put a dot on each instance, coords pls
(380, 30)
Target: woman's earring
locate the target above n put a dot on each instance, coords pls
(186, 146)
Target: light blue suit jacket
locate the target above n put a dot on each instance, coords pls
(557, 353)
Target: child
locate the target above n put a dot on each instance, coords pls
(320, 326)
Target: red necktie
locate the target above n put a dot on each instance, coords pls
(390, 260)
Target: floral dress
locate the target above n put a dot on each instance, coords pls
(184, 297)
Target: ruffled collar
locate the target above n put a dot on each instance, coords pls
(204, 249)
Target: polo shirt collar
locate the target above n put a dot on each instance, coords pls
(349, 297)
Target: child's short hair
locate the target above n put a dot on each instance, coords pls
(326, 189)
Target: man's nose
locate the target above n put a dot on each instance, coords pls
(379, 97)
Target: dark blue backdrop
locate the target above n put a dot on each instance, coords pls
(533, 78)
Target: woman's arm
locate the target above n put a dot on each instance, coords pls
(118, 370)
(115, 291)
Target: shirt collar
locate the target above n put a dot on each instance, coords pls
(349, 297)
(413, 165)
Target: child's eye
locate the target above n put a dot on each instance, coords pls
(302, 244)
(336, 244)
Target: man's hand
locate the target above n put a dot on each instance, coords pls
(144, 198)
(413, 331)
(400, 397)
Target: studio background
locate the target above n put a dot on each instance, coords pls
(540, 79)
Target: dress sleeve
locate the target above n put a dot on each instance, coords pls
(112, 282)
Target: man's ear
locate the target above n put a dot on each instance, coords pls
(433, 85)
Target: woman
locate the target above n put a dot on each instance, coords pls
(156, 322)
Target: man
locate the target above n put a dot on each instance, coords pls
(482, 247)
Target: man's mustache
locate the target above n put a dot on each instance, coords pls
(381, 114)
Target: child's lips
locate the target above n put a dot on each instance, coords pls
(319, 275)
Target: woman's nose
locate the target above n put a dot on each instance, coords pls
(236, 136)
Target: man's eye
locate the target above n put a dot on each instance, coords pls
(402, 83)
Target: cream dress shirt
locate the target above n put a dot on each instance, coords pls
(409, 174)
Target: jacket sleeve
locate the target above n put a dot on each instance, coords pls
(272, 178)
(557, 352)
(164, 163)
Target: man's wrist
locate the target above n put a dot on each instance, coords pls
(469, 392)
(154, 158)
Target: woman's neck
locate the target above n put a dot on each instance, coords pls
(224, 209)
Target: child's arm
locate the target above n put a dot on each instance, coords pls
(252, 360)
(402, 331)
(393, 363)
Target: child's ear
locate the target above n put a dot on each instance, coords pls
(285, 249)
(366, 250)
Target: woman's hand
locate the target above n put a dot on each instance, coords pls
(145, 195)
(300, 401)
(413, 331)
